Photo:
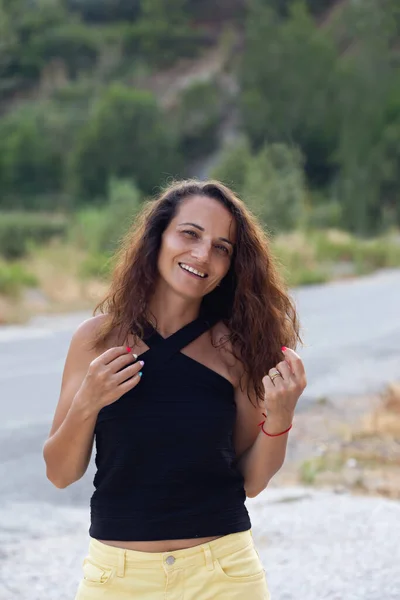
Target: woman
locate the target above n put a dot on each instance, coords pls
(176, 380)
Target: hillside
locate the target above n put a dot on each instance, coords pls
(294, 104)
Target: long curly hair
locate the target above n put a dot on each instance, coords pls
(252, 299)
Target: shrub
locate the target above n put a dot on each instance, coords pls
(197, 118)
(75, 44)
(233, 165)
(271, 182)
(19, 229)
(13, 278)
(125, 137)
(99, 229)
(30, 161)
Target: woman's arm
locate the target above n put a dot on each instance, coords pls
(68, 448)
(261, 456)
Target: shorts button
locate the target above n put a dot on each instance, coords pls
(170, 560)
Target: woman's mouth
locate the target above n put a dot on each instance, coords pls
(191, 271)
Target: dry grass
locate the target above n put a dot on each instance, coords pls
(362, 455)
(60, 288)
(385, 420)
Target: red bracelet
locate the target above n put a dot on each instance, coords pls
(273, 434)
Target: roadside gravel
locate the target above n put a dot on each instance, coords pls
(315, 545)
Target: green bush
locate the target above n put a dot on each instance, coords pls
(98, 265)
(75, 44)
(13, 278)
(233, 165)
(299, 267)
(271, 182)
(19, 229)
(99, 11)
(324, 214)
(367, 255)
(160, 44)
(163, 33)
(125, 137)
(100, 229)
(31, 155)
(198, 118)
(288, 86)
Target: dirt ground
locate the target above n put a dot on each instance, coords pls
(352, 444)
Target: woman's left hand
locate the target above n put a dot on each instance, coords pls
(283, 391)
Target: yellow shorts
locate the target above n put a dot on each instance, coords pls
(228, 568)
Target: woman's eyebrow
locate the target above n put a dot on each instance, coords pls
(202, 229)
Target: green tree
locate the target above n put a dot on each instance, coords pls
(30, 161)
(288, 79)
(369, 116)
(104, 11)
(270, 181)
(163, 33)
(233, 165)
(125, 137)
(275, 188)
(197, 119)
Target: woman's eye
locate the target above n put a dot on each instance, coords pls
(190, 232)
(223, 248)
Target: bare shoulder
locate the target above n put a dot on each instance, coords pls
(79, 356)
(87, 331)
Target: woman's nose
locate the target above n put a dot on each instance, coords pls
(201, 252)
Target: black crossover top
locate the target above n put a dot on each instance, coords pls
(166, 465)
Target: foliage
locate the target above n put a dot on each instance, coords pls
(13, 277)
(99, 229)
(233, 164)
(283, 7)
(333, 92)
(287, 97)
(320, 76)
(271, 182)
(30, 156)
(125, 137)
(99, 11)
(197, 118)
(19, 229)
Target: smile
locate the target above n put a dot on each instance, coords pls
(186, 267)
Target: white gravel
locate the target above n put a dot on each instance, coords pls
(315, 545)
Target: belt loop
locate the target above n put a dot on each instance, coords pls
(209, 557)
(121, 562)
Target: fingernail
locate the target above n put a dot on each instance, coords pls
(128, 349)
(283, 348)
(134, 356)
(141, 362)
(140, 373)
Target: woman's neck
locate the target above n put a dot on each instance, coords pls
(172, 312)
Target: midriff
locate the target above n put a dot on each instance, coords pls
(161, 545)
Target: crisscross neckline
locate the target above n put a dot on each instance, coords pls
(161, 349)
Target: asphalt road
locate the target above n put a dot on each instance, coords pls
(352, 334)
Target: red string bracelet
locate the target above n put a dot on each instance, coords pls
(272, 434)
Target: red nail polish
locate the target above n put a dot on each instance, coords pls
(128, 349)
(283, 348)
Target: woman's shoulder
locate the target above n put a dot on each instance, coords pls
(89, 330)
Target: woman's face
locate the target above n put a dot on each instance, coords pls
(201, 236)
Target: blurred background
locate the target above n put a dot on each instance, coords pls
(296, 106)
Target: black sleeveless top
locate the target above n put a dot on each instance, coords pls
(166, 465)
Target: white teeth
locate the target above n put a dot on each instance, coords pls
(191, 270)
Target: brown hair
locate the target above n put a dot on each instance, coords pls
(252, 300)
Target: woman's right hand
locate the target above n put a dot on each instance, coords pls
(110, 375)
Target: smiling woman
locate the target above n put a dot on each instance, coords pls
(172, 379)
